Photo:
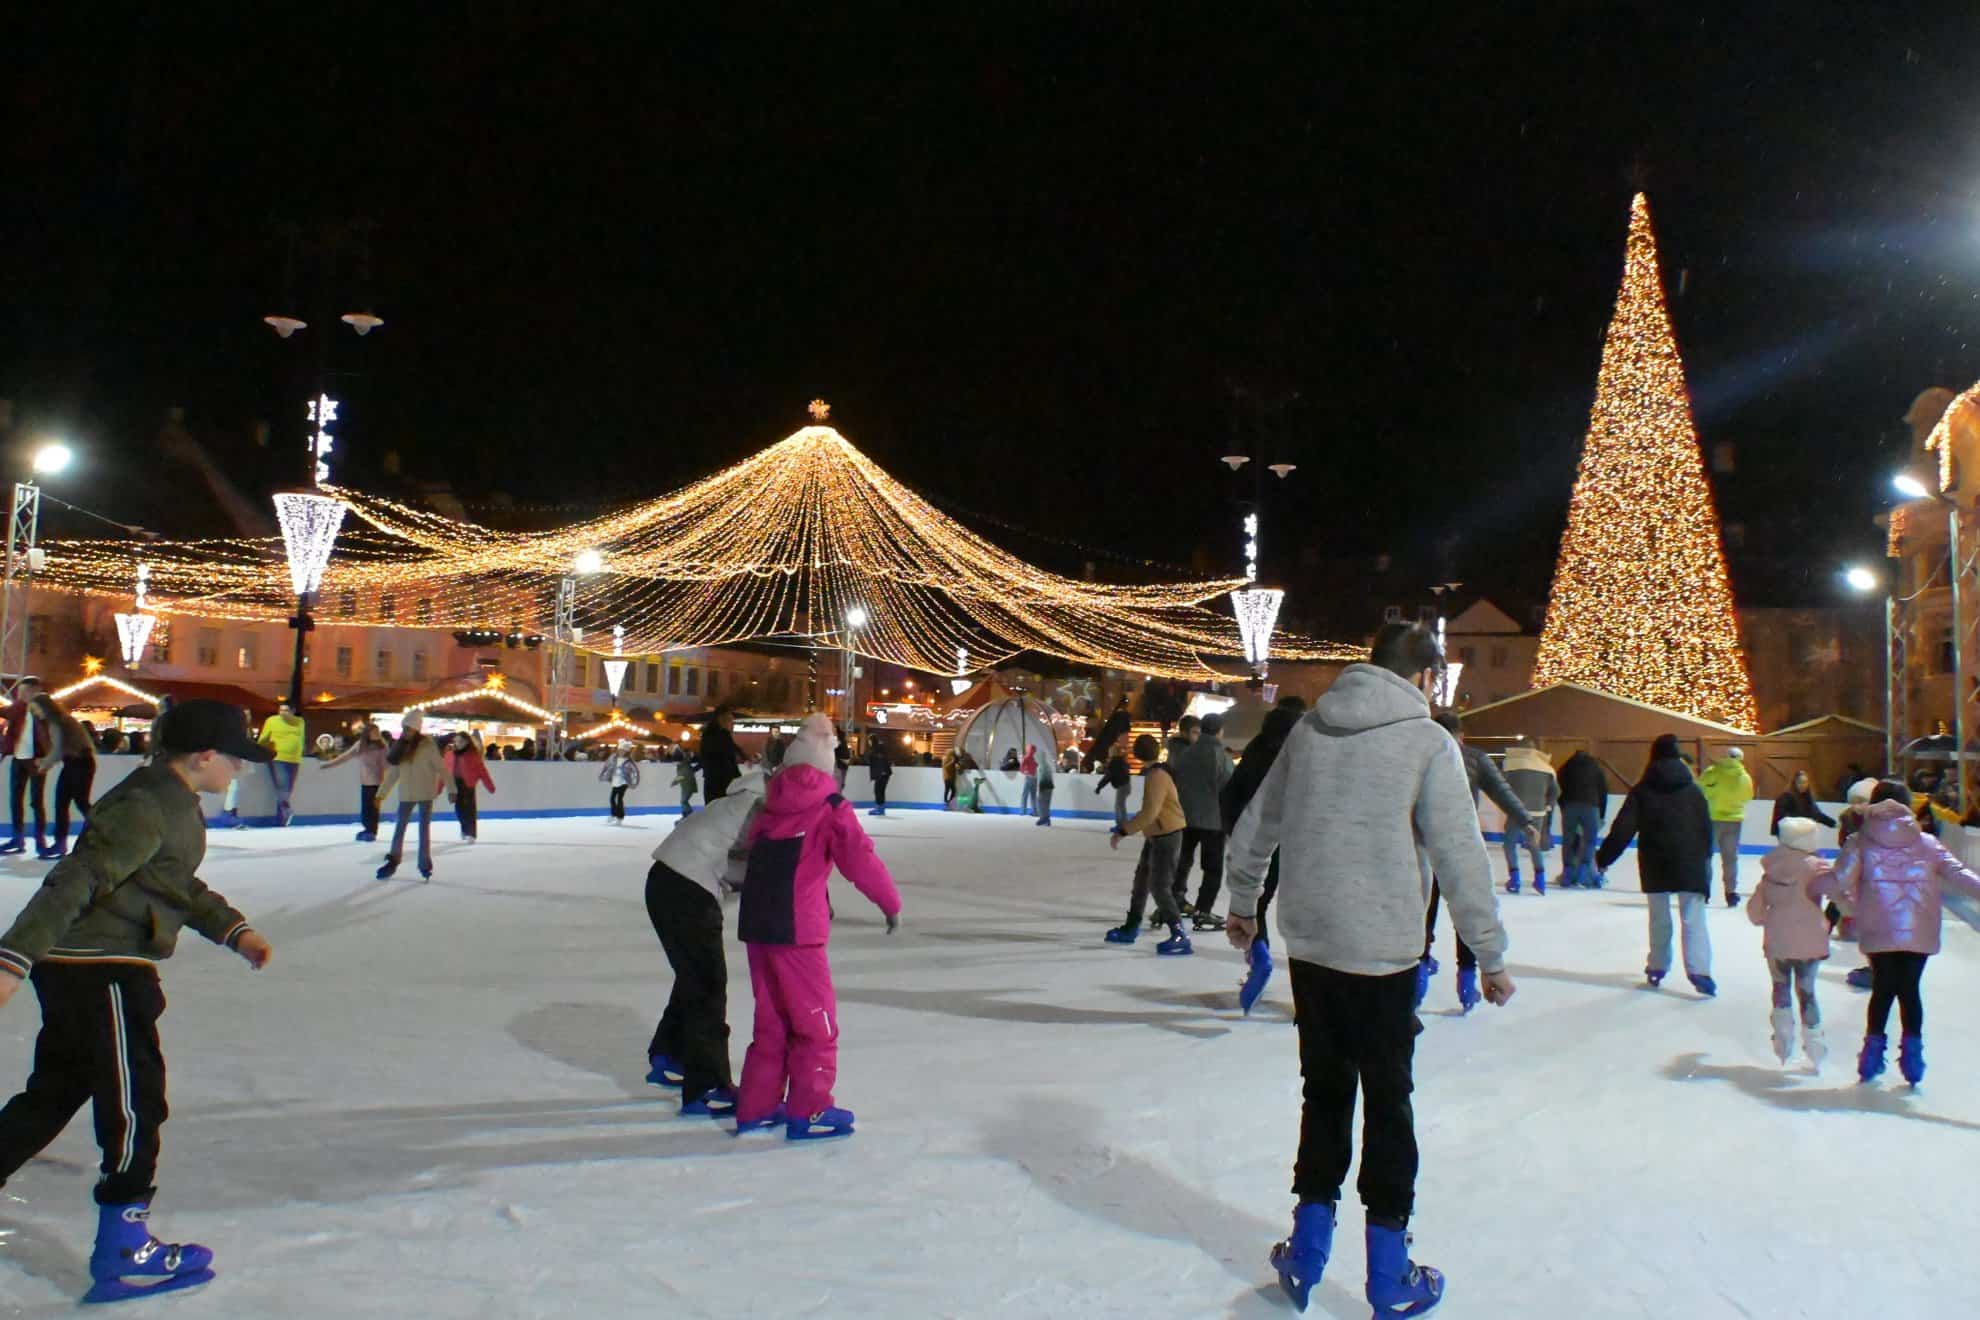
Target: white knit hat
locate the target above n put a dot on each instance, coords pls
(1861, 792)
(1800, 834)
(813, 745)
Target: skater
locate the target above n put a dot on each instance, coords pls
(1892, 875)
(880, 767)
(720, 761)
(1668, 816)
(951, 766)
(28, 740)
(91, 940)
(698, 861)
(621, 772)
(370, 751)
(419, 771)
(1047, 781)
(1584, 804)
(684, 781)
(1787, 904)
(1728, 788)
(1531, 775)
(1483, 777)
(467, 771)
(1799, 800)
(1028, 795)
(283, 731)
(1118, 776)
(806, 828)
(971, 776)
(1201, 771)
(74, 751)
(1259, 754)
(1160, 822)
(1365, 802)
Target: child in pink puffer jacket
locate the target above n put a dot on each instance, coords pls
(1793, 882)
(805, 829)
(1892, 874)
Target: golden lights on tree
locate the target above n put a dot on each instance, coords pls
(786, 543)
(1641, 606)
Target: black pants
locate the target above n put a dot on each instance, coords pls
(98, 1042)
(619, 801)
(1265, 897)
(465, 808)
(1895, 977)
(880, 794)
(1151, 877)
(694, 1029)
(72, 790)
(1356, 1032)
(368, 807)
(22, 776)
(1212, 842)
(948, 791)
(1467, 960)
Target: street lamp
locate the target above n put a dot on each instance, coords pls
(1861, 579)
(564, 632)
(856, 618)
(24, 560)
(333, 241)
(309, 529)
(51, 458)
(1908, 485)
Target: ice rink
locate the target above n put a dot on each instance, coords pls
(432, 1105)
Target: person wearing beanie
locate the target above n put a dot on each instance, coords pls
(1668, 817)
(1160, 824)
(1787, 906)
(91, 940)
(621, 776)
(806, 828)
(1728, 788)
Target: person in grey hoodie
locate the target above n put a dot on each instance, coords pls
(1367, 799)
(1201, 770)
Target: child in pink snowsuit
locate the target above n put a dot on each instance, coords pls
(1787, 903)
(805, 829)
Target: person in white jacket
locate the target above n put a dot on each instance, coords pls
(1368, 798)
(700, 858)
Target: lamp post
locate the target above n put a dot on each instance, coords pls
(330, 244)
(564, 635)
(1864, 582)
(23, 559)
(1963, 571)
(856, 618)
(309, 529)
(1256, 608)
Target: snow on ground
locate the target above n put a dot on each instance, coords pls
(432, 1105)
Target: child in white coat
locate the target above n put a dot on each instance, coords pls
(1788, 903)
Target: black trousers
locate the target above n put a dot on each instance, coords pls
(1894, 978)
(465, 808)
(694, 1029)
(1356, 1032)
(1212, 842)
(72, 790)
(619, 801)
(948, 791)
(1265, 897)
(1467, 960)
(368, 807)
(880, 793)
(98, 1042)
(23, 777)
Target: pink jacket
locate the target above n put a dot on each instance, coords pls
(1891, 876)
(1029, 765)
(469, 768)
(804, 830)
(1788, 903)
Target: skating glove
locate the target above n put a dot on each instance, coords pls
(893, 922)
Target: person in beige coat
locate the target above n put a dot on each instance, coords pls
(418, 769)
(1161, 823)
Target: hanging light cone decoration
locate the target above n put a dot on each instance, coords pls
(615, 675)
(310, 524)
(133, 635)
(1257, 610)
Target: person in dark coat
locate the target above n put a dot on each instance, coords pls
(1259, 754)
(720, 761)
(1666, 813)
(1584, 802)
(1799, 800)
(881, 767)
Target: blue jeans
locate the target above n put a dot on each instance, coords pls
(1581, 829)
(1028, 799)
(1120, 807)
(1514, 841)
(283, 773)
(1697, 935)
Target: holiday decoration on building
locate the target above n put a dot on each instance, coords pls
(1641, 606)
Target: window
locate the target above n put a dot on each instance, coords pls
(694, 682)
(388, 605)
(423, 612)
(161, 643)
(673, 680)
(245, 657)
(714, 683)
(208, 652)
(381, 664)
(38, 633)
(1464, 655)
(347, 604)
(652, 677)
(1498, 660)
(419, 664)
(343, 662)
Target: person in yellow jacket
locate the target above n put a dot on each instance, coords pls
(1161, 823)
(283, 732)
(1728, 788)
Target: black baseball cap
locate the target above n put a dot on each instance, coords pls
(207, 726)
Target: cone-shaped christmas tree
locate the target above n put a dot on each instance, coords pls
(1641, 607)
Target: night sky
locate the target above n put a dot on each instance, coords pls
(1045, 260)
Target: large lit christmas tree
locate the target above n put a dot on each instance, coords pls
(1641, 607)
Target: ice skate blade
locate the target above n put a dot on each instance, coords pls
(795, 1133)
(116, 1290)
(1298, 1290)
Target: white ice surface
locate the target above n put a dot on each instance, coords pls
(432, 1105)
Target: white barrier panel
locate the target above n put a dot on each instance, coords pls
(919, 788)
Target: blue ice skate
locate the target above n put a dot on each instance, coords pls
(664, 1072)
(1426, 967)
(1397, 1285)
(126, 1250)
(1467, 988)
(776, 1118)
(1859, 978)
(1126, 934)
(1654, 976)
(1512, 881)
(1177, 945)
(1706, 986)
(1258, 972)
(1911, 1059)
(1302, 1258)
(715, 1102)
(1540, 881)
(1870, 1063)
(825, 1125)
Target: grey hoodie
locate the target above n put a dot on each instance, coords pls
(1367, 799)
(1201, 770)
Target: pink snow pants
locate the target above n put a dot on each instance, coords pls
(796, 1036)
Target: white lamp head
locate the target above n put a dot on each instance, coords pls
(1860, 578)
(856, 617)
(589, 561)
(1235, 461)
(362, 322)
(284, 325)
(1908, 485)
(52, 458)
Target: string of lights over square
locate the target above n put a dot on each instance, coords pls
(808, 538)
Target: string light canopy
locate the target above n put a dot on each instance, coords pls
(787, 543)
(1641, 606)
(617, 724)
(491, 690)
(105, 680)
